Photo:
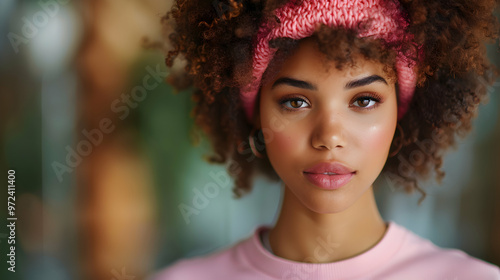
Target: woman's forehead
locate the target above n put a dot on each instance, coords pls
(308, 61)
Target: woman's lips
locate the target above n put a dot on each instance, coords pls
(329, 181)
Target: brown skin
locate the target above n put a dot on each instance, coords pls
(331, 123)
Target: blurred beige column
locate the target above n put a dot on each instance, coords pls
(117, 223)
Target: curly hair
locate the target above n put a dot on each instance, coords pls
(215, 40)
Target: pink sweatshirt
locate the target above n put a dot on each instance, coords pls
(400, 255)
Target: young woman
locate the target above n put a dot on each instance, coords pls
(326, 96)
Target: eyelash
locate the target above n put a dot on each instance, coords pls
(372, 96)
(283, 100)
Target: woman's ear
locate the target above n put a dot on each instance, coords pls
(256, 120)
(256, 113)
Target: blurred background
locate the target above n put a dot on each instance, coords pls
(109, 173)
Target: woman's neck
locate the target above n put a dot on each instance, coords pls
(305, 236)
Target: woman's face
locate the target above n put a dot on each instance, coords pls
(309, 115)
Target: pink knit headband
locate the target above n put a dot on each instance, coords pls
(298, 21)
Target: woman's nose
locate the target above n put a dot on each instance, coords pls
(328, 132)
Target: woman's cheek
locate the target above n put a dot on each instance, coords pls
(379, 138)
(282, 143)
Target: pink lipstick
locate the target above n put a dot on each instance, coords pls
(329, 175)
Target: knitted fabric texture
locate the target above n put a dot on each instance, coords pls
(299, 20)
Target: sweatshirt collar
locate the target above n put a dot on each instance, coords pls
(357, 266)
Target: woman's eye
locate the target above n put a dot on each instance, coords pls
(363, 102)
(293, 103)
(366, 102)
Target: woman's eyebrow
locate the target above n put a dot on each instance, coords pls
(306, 85)
(364, 81)
(294, 83)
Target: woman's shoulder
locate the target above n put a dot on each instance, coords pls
(204, 267)
(196, 267)
(424, 255)
(192, 268)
